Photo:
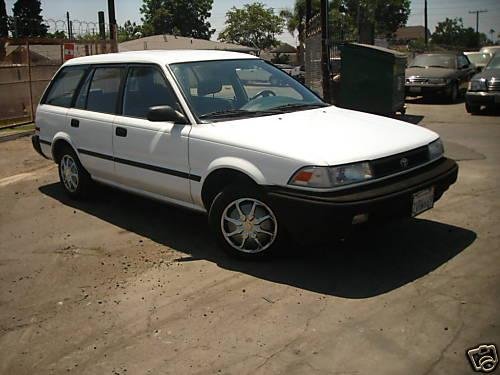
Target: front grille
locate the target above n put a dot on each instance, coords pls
(494, 85)
(399, 163)
(417, 80)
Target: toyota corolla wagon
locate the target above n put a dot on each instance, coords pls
(230, 135)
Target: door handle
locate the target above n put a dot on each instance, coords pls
(120, 132)
(75, 123)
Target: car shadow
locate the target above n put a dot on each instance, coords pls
(412, 119)
(361, 266)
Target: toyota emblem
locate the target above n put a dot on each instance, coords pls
(404, 163)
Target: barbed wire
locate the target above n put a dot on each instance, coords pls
(78, 27)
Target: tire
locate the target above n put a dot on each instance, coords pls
(75, 180)
(471, 108)
(237, 209)
(453, 97)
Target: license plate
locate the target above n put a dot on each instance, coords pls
(422, 201)
(415, 90)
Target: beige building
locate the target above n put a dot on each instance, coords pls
(164, 41)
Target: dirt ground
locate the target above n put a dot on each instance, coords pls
(125, 285)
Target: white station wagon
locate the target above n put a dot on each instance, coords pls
(233, 136)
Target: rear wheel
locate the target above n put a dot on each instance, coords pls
(244, 224)
(74, 178)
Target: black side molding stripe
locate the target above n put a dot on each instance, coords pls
(44, 142)
(150, 167)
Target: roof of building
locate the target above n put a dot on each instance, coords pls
(411, 33)
(161, 57)
(170, 42)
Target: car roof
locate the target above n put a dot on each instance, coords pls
(161, 57)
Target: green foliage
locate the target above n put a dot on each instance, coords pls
(254, 25)
(27, 20)
(281, 58)
(129, 31)
(180, 17)
(451, 32)
(57, 35)
(4, 20)
(386, 15)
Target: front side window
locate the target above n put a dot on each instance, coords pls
(104, 90)
(241, 88)
(146, 87)
(65, 84)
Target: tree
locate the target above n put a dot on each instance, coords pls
(4, 28)
(129, 31)
(27, 20)
(4, 20)
(180, 17)
(254, 25)
(451, 32)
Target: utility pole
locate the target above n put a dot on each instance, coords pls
(426, 24)
(68, 23)
(477, 21)
(112, 25)
(325, 56)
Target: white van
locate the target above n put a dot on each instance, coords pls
(232, 136)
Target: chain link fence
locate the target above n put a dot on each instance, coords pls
(26, 68)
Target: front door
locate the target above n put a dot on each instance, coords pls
(150, 156)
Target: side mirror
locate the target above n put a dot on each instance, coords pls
(166, 113)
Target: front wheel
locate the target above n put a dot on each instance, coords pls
(454, 93)
(471, 108)
(244, 224)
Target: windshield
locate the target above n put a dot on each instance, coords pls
(434, 61)
(241, 88)
(494, 62)
(479, 58)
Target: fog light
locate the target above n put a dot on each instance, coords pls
(360, 219)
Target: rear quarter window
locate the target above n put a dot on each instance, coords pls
(64, 86)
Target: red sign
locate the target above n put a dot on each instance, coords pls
(69, 51)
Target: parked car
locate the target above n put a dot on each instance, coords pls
(484, 88)
(444, 74)
(299, 73)
(286, 68)
(265, 162)
(479, 59)
(490, 49)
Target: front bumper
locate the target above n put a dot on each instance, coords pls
(482, 98)
(316, 215)
(427, 89)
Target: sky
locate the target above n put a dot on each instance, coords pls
(86, 10)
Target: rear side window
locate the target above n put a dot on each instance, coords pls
(63, 89)
(146, 87)
(104, 89)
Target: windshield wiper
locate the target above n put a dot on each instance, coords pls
(298, 106)
(234, 113)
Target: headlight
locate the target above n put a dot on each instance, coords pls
(328, 177)
(437, 81)
(477, 85)
(436, 149)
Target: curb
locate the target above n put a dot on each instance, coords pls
(11, 137)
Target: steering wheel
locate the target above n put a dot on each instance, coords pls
(264, 94)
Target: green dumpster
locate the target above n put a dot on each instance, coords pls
(372, 79)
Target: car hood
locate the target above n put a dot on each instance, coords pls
(325, 136)
(488, 74)
(430, 72)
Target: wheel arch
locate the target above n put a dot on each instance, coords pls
(227, 171)
(59, 141)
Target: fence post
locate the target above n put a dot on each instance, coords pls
(29, 79)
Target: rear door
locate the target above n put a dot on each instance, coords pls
(91, 119)
(150, 156)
